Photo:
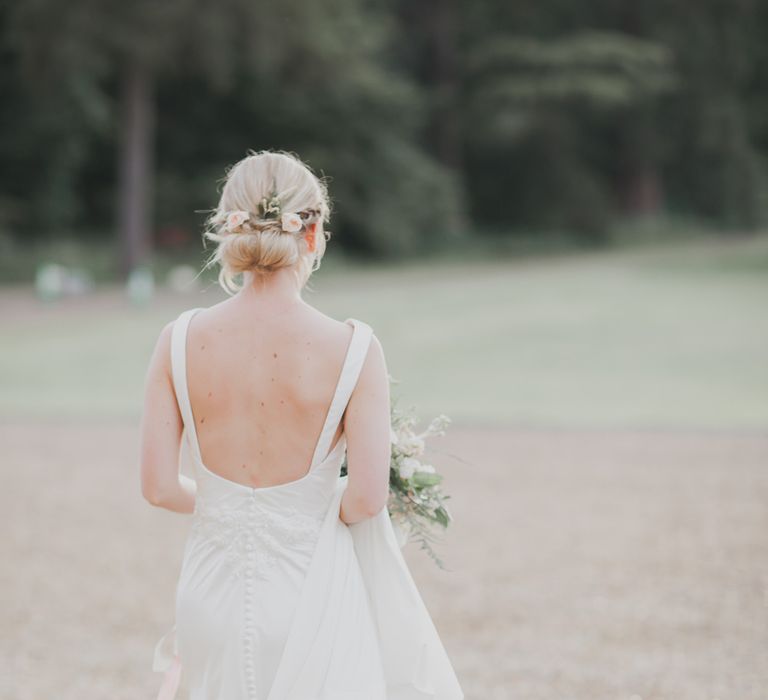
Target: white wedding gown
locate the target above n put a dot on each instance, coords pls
(279, 599)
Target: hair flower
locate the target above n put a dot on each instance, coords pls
(235, 219)
(270, 207)
(291, 223)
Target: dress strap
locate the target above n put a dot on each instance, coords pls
(350, 371)
(179, 372)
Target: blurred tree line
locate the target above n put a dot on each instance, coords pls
(435, 119)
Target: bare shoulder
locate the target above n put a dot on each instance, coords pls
(374, 365)
(165, 333)
(375, 362)
(163, 343)
(161, 357)
(339, 331)
(160, 362)
(371, 390)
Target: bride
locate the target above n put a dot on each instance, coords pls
(292, 584)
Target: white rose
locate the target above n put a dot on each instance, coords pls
(428, 468)
(407, 467)
(414, 446)
(291, 223)
(235, 219)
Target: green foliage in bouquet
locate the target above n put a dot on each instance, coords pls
(416, 498)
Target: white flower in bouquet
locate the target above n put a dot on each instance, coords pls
(413, 445)
(417, 501)
(408, 467)
(438, 425)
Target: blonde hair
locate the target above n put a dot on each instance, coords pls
(263, 245)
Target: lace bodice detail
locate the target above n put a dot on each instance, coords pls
(252, 536)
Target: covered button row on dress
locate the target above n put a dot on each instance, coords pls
(248, 626)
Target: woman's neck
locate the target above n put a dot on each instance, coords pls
(279, 289)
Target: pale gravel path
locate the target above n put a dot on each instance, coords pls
(585, 565)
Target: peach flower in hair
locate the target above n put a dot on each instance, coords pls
(291, 223)
(235, 219)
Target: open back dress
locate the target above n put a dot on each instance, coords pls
(279, 599)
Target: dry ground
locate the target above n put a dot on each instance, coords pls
(584, 565)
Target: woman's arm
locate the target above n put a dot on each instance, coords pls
(161, 427)
(367, 427)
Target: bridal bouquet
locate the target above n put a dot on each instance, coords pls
(416, 499)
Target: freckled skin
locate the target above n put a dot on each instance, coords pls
(259, 433)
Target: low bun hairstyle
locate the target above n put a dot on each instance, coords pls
(262, 245)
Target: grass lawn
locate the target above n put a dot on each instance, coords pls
(670, 337)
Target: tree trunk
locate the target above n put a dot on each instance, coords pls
(135, 167)
(443, 71)
(643, 192)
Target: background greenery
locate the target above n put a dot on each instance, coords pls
(441, 123)
(656, 337)
(573, 192)
(553, 215)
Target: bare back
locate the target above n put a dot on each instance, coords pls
(260, 385)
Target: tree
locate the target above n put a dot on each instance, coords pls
(291, 58)
(540, 90)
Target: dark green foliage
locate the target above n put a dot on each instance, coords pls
(433, 119)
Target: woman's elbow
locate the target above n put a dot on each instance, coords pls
(356, 508)
(154, 493)
(152, 496)
(371, 504)
(373, 507)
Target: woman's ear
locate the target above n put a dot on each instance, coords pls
(309, 237)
